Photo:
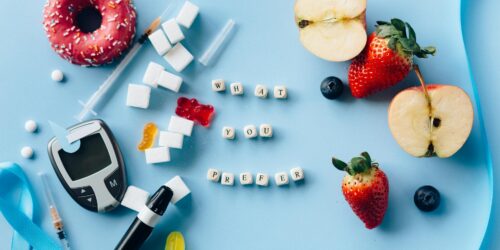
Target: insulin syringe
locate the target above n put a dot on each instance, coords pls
(54, 214)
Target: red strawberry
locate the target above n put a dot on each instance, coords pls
(387, 58)
(365, 188)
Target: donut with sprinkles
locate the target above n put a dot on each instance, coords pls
(89, 48)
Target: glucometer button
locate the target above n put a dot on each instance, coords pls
(82, 191)
(88, 202)
(114, 183)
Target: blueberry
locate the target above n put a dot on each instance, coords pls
(332, 87)
(427, 198)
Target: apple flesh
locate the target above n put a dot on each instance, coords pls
(435, 126)
(334, 30)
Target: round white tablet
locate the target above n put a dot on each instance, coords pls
(27, 152)
(30, 126)
(57, 75)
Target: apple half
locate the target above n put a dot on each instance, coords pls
(436, 124)
(334, 30)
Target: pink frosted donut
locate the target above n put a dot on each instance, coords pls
(92, 48)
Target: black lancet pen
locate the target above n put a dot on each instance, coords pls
(146, 220)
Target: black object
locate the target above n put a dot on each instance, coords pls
(142, 226)
(94, 175)
(332, 87)
(427, 198)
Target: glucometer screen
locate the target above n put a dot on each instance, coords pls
(91, 157)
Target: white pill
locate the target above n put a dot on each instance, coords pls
(27, 152)
(30, 126)
(57, 75)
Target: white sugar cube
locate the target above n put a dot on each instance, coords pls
(170, 81)
(297, 173)
(180, 125)
(228, 133)
(178, 57)
(152, 74)
(250, 131)
(173, 31)
(170, 139)
(246, 178)
(280, 92)
(138, 96)
(179, 188)
(218, 85)
(281, 178)
(266, 130)
(262, 179)
(157, 155)
(187, 14)
(261, 91)
(213, 175)
(227, 179)
(135, 198)
(236, 88)
(160, 42)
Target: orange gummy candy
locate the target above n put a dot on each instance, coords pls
(148, 136)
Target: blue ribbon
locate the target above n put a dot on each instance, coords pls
(20, 216)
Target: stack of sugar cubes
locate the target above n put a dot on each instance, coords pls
(172, 138)
(177, 56)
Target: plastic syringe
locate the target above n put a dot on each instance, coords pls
(218, 42)
(88, 107)
(54, 214)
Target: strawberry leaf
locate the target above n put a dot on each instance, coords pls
(367, 157)
(411, 33)
(359, 164)
(340, 165)
(350, 170)
(385, 31)
(408, 44)
(399, 25)
(429, 50)
(392, 43)
(382, 23)
(395, 32)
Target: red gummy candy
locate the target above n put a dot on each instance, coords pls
(192, 110)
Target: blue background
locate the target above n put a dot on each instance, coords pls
(308, 131)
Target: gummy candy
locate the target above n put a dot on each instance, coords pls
(148, 136)
(175, 241)
(192, 110)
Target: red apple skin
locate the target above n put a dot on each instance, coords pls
(432, 86)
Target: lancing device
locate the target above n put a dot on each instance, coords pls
(146, 220)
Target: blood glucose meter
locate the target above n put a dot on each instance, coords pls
(94, 175)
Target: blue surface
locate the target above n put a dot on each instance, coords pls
(481, 25)
(309, 129)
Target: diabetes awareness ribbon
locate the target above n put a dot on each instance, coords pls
(13, 181)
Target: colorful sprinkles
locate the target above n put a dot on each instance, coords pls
(99, 47)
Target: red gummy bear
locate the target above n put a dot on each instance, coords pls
(192, 110)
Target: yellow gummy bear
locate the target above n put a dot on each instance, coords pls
(148, 136)
(175, 241)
